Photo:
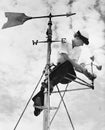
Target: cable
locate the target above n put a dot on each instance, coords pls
(66, 108)
(84, 82)
(58, 105)
(28, 102)
(77, 89)
(78, 82)
(79, 79)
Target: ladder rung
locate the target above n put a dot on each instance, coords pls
(43, 107)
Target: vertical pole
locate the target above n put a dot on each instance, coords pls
(46, 114)
(92, 73)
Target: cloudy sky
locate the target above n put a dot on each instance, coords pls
(21, 63)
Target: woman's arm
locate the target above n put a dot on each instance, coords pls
(77, 67)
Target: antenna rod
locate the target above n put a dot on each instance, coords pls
(46, 115)
(61, 15)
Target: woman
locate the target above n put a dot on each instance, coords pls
(68, 57)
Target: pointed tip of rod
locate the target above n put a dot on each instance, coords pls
(70, 14)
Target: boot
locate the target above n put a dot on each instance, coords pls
(38, 100)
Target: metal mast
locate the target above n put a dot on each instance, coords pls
(46, 114)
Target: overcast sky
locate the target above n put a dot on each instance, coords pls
(21, 63)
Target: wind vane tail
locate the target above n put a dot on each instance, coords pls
(15, 19)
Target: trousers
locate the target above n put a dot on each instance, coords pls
(57, 75)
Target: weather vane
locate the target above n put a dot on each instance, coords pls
(15, 19)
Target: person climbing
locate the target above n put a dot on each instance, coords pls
(67, 64)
